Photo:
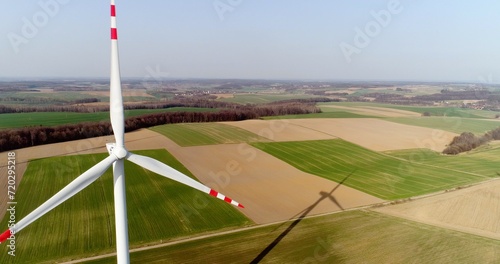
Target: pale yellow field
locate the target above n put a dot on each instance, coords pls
(474, 210)
(375, 111)
(379, 135)
(280, 130)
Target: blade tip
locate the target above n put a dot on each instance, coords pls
(5, 235)
(241, 206)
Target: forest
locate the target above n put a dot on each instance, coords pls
(468, 141)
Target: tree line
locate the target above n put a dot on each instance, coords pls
(32, 136)
(78, 108)
(180, 102)
(468, 141)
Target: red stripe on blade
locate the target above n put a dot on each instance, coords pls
(4, 236)
(213, 193)
(240, 205)
(114, 33)
(227, 199)
(113, 10)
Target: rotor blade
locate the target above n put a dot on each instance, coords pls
(164, 170)
(67, 192)
(115, 89)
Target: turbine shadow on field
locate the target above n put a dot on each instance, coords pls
(303, 214)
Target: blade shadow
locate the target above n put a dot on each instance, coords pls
(302, 214)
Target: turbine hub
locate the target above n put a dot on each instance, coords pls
(120, 152)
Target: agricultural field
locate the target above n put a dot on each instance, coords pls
(47, 96)
(449, 111)
(18, 120)
(451, 124)
(271, 189)
(379, 134)
(158, 208)
(452, 119)
(433, 110)
(196, 134)
(348, 237)
(370, 110)
(280, 130)
(377, 174)
(472, 210)
(482, 161)
(326, 113)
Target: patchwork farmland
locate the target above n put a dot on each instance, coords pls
(295, 178)
(159, 209)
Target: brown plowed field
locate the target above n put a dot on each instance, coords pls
(270, 189)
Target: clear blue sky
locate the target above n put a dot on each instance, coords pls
(425, 40)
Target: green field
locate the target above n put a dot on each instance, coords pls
(448, 111)
(40, 98)
(18, 120)
(433, 110)
(349, 237)
(452, 124)
(159, 209)
(196, 134)
(369, 171)
(482, 161)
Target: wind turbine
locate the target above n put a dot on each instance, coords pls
(117, 154)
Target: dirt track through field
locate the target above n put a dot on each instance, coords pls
(474, 210)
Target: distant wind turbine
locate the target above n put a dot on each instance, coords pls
(117, 154)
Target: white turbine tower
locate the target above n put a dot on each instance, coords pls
(117, 154)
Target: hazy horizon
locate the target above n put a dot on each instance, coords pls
(424, 41)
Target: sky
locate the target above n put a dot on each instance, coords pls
(405, 40)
